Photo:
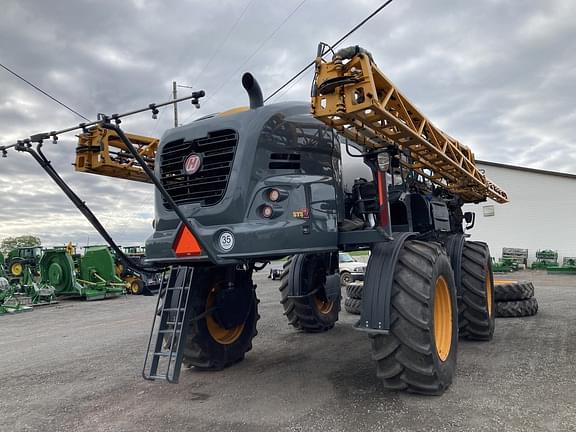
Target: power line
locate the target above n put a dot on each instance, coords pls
(44, 93)
(217, 50)
(256, 51)
(338, 42)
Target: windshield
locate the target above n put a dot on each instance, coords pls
(346, 258)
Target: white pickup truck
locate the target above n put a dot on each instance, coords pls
(351, 269)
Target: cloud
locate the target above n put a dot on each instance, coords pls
(497, 75)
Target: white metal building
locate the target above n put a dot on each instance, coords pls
(541, 213)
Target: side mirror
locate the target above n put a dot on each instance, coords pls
(470, 218)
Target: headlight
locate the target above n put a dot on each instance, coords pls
(359, 270)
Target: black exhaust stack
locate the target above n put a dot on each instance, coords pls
(253, 89)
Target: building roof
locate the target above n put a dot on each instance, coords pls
(531, 170)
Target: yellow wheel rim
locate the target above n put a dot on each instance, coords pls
(323, 306)
(135, 287)
(16, 269)
(442, 319)
(489, 293)
(220, 334)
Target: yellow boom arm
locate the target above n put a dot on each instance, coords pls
(361, 103)
(100, 151)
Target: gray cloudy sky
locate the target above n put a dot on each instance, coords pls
(499, 75)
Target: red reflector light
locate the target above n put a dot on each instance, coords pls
(186, 244)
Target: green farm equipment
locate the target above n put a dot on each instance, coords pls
(39, 294)
(95, 279)
(544, 259)
(10, 301)
(2, 270)
(57, 270)
(568, 267)
(97, 271)
(20, 258)
(505, 265)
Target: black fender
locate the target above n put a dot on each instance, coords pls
(454, 247)
(375, 311)
(296, 287)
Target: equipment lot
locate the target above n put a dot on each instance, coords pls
(76, 367)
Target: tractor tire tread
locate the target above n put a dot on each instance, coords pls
(301, 312)
(353, 306)
(514, 291)
(405, 358)
(518, 308)
(475, 321)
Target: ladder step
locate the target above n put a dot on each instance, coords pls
(157, 377)
(174, 314)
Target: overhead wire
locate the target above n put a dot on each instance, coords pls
(228, 34)
(334, 45)
(253, 54)
(44, 92)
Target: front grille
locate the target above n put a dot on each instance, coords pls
(208, 184)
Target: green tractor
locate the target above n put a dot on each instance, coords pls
(20, 258)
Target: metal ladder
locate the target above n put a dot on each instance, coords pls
(165, 361)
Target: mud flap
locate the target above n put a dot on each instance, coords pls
(375, 312)
(297, 288)
(332, 287)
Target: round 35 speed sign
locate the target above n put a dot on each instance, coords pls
(226, 240)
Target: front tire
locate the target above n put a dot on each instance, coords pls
(419, 353)
(209, 345)
(312, 312)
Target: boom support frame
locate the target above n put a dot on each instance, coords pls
(354, 97)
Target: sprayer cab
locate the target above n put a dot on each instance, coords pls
(255, 184)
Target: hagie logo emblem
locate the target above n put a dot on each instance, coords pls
(192, 164)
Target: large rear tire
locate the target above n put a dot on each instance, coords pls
(209, 345)
(477, 310)
(312, 313)
(419, 353)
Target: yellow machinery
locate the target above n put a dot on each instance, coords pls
(354, 97)
(100, 151)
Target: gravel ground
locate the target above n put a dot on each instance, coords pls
(76, 367)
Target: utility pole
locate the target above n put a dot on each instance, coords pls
(175, 95)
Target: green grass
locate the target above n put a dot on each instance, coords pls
(359, 253)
